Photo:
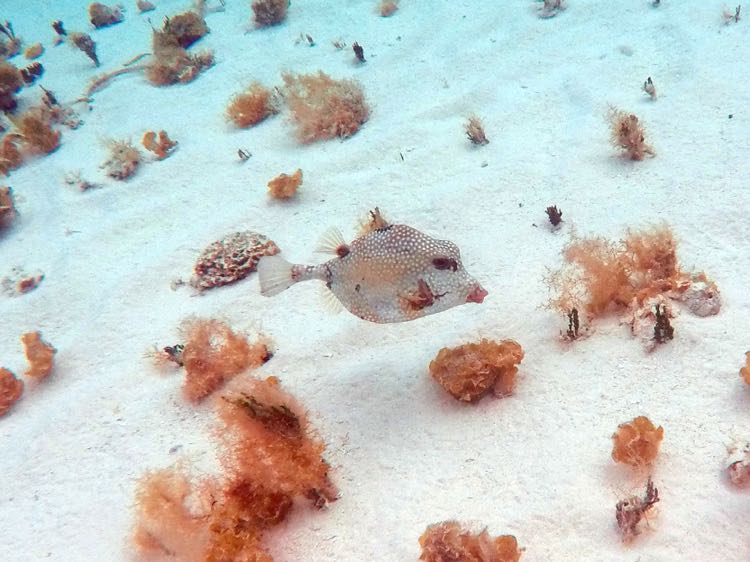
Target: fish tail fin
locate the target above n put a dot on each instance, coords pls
(275, 274)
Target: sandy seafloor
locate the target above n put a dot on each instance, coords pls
(405, 454)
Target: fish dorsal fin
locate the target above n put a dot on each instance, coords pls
(331, 304)
(374, 220)
(332, 242)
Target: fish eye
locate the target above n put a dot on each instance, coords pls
(445, 263)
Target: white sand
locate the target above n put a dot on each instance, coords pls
(537, 464)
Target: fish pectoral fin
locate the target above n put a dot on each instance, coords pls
(332, 242)
(331, 304)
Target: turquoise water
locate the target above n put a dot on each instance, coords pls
(117, 259)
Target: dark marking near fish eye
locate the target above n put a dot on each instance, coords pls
(445, 263)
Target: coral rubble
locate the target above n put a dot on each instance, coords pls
(629, 512)
(738, 464)
(554, 215)
(230, 259)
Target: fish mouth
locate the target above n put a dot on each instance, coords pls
(477, 294)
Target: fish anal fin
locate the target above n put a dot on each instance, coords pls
(331, 304)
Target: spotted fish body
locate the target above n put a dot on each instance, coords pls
(391, 274)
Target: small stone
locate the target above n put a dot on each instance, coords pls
(702, 297)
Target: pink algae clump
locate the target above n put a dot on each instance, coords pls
(284, 186)
(160, 144)
(238, 523)
(269, 12)
(629, 275)
(270, 458)
(628, 135)
(214, 354)
(11, 389)
(165, 522)
(745, 371)
(124, 159)
(39, 354)
(388, 7)
(171, 62)
(469, 371)
(34, 130)
(185, 28)
(252, 106)
(275, 446)
(324, 108)
(600, 273)
(452, 542)
(637, 442)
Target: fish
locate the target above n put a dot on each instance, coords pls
(391, 273)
